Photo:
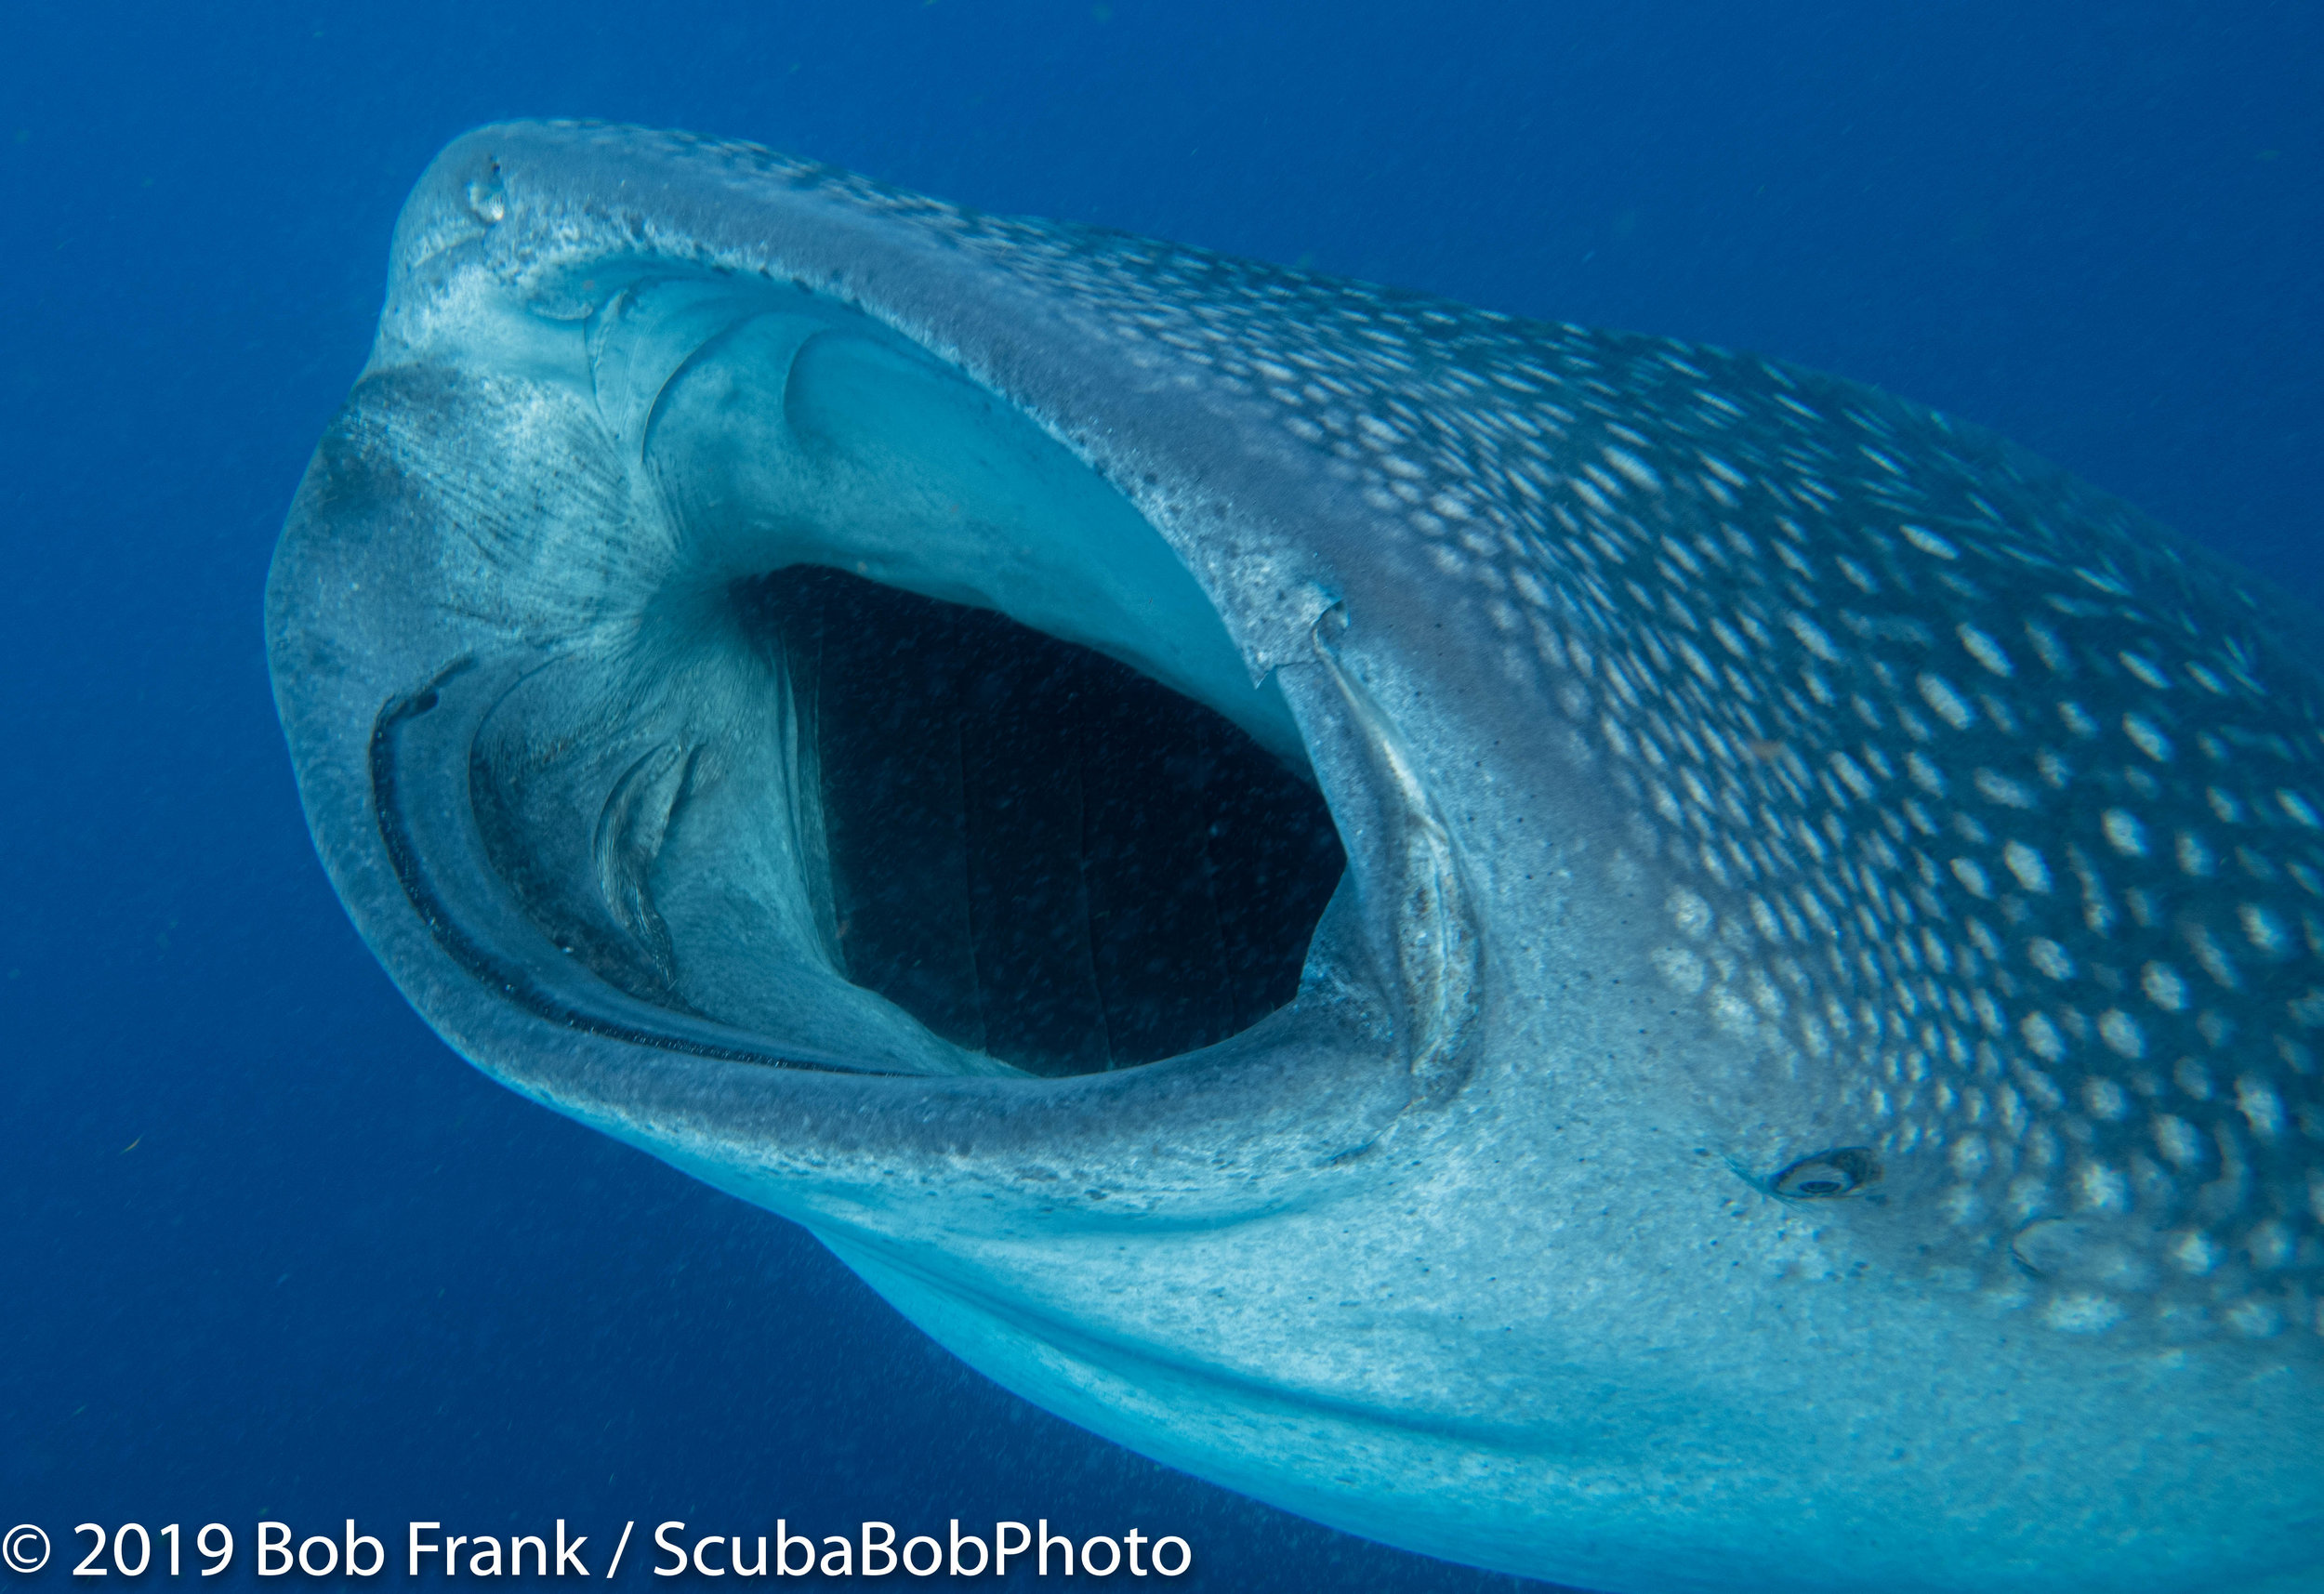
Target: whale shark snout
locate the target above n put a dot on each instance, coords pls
(1586, 954)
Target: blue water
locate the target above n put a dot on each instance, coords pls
(268, 1249)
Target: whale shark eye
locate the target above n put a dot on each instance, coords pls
(1842, 1171)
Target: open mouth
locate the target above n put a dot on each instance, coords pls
(862, 728)
(1038, 852)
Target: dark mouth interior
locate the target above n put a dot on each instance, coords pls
(1037, 851)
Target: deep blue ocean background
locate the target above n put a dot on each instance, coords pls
(268, 1249)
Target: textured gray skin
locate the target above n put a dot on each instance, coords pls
(1735, 765)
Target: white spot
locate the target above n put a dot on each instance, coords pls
(1682, 968)
(2124, 834)
(2225, 805)
(2028, 865)
(1969, 1156)
(2045, 1090)
(1994, 786)
(2042, 1035)
(2028, 1194)
(1637, 470)
(2045, 642)
(1928, 542)
(1948, 704)
(2163, 986)
(2144, 669)
(1732, 1013)
(2263, 929)
(2297, 808)
(1814, 1036)
(2261, 1107)
(2102, 1188)
(1765, 997)
(1965, 1206)
(1971, 874)
(2195, 854)
(2077, 721)
(1690, 912)
(2179, 1142)
(1812, 636)
(1986, 650)
(2256, 1319)
(2082, 1313)
(1924, 774)
(2106, 1100)
(2269, 1244)
(2215, 961)
(1852, 775)
(2150, 740)
(2121, 1034)
(2013, 1109)
(2051, 959)
(2194, 1252)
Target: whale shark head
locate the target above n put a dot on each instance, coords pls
(1586, 954)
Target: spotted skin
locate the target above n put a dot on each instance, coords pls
(1985, 793)
(1814, 1077)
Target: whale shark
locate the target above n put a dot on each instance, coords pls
(1586, 954)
